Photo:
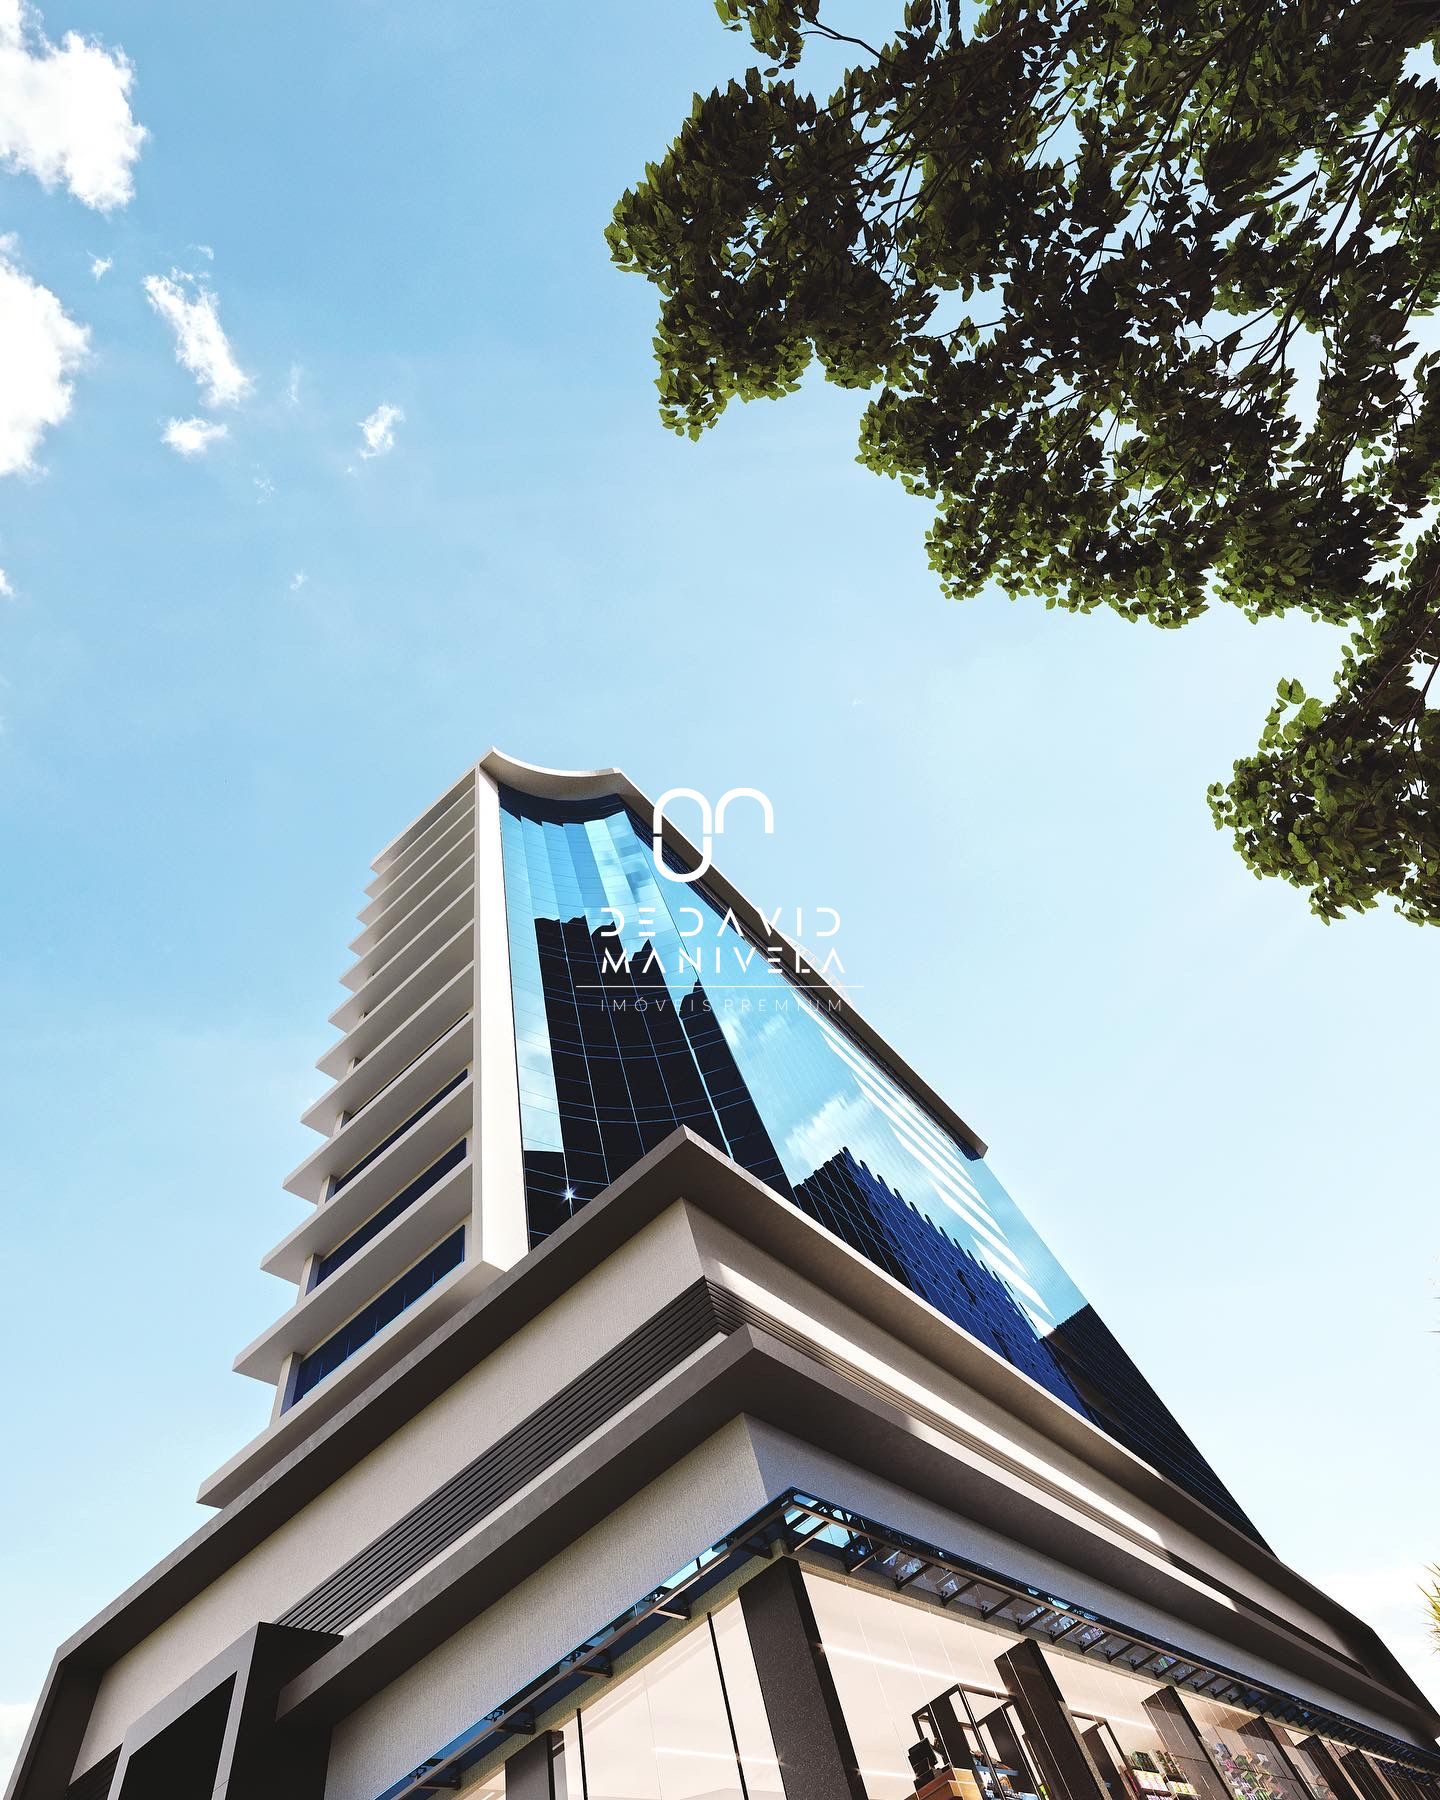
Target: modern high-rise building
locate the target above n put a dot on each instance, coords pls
(674, 1406)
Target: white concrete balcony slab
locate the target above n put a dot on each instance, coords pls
(429, 905)
(399, 870)
(461, 792)
(397, 1247)
(456, 921)
(385, 1115)
(356, 1087)
(446, 973)
(417, 1037)
(382, 917)
(374, 1187)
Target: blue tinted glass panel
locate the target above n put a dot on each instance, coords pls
(392, 1209)
(641, 1005)
(419, 1113)
(325, 1358)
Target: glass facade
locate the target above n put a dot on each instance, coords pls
(690, 1725)
(1248, 1761)
(888, 1661)
(641, 1004)
(995, 1702)
(902, 1672)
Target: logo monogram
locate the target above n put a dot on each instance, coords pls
(712, 824)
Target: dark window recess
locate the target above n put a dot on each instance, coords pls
(377, 1222)
(327, 1357)
(399, 1131)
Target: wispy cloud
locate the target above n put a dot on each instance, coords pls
(292, 386)
(193, 437)
(378, 430)
(200, 341)
(40, 349)
(205, 250)
(298, 580)
(6, 590)
(101, 266)
(65, 110)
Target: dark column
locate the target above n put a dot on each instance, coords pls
(259, 1758)
(953, 1748)
(1051, 1734)
(216, 1737)
(1326, 1764)
(536, 1771)
(1005, 1739)
(1366, 1776)
(1106, 1766)
(47, 1757)
(1261, 1738)
(812, 1742)
(1177, 1731)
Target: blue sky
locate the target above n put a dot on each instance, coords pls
(229, 676)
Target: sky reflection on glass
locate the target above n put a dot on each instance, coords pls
(640, 1006)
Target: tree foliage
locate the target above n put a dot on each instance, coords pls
(1139, 291)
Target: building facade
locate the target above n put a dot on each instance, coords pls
(674, 1406)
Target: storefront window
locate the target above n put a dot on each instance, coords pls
(1245, 1754)
(1313, 1776)
(690, 1725)
(1123, 1739)
(890, 1661)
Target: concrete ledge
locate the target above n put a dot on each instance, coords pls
(272, 1479)
(752, 1375)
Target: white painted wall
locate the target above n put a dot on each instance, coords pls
(640, 1545)
(550, 1351)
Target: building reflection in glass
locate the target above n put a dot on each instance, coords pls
(640, 1005)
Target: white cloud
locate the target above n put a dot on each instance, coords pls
(378, 430)
(292, 386)
(40, 348)
(193, 437)
(65, 110)
(5, 588)
(298, 580)
(101, 265)
(200, 342)
(264, 488)
(205, 251)
(14, 1717)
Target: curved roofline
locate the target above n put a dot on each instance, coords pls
(556, 784)
(596, 784)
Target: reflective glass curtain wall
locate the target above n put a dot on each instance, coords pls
(640, 1005)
